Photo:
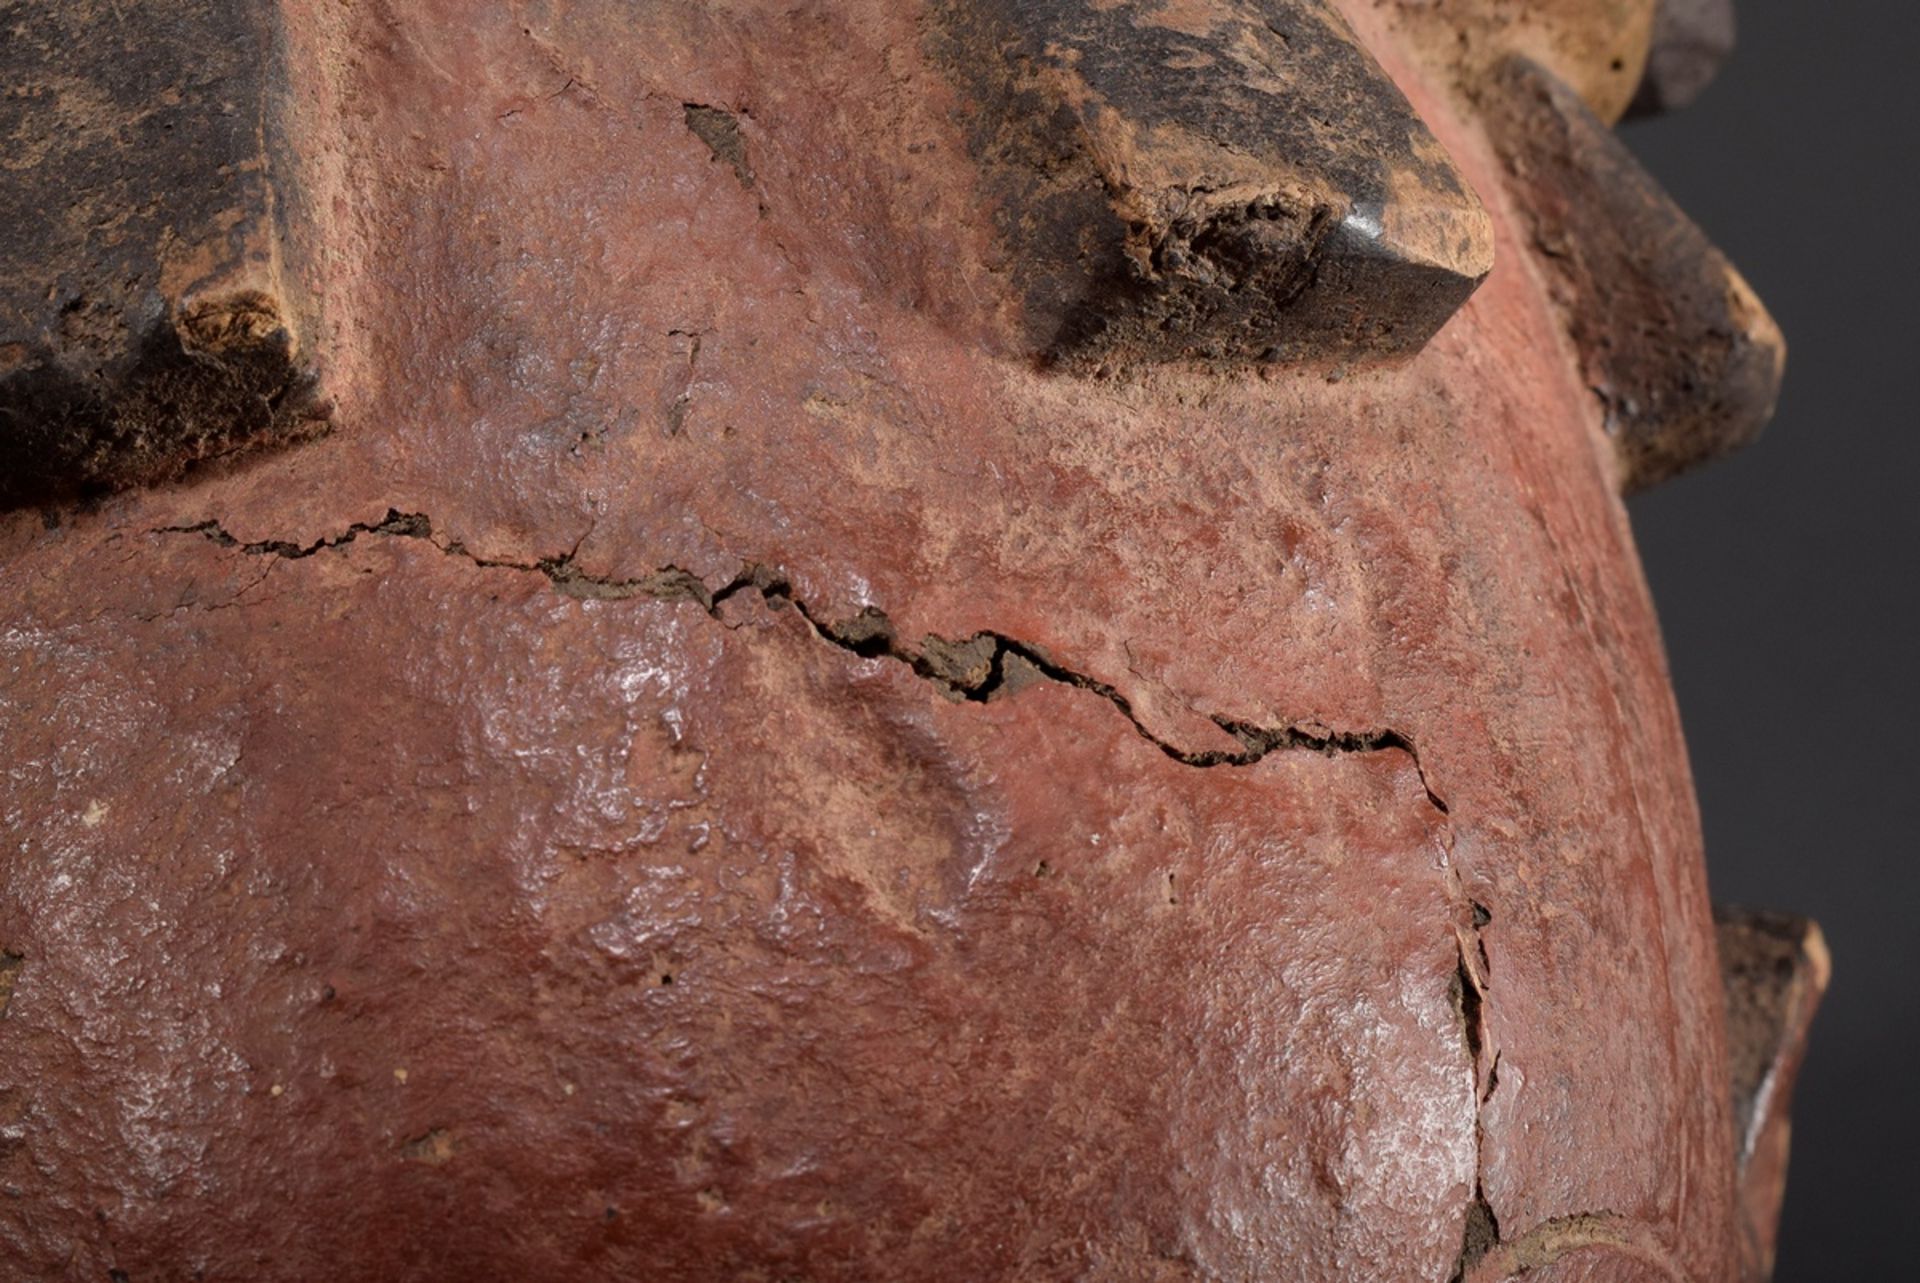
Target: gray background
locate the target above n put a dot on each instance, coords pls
(1786, 580)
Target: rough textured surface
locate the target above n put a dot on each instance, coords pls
(1225, 179)
(147, 316)
(1776, 970)
(1681, 353)
(713, 771)
(1598, 48)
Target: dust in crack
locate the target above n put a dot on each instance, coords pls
(406, 525)
(988, 665)
(1480, 1235)
(978, 668)
(1486, 1254)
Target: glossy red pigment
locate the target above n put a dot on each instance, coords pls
(501, 841)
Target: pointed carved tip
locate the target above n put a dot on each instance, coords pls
(1598, 48)
(1684, 357)
(1231, 182)
(1691, 39)
(1775, 967)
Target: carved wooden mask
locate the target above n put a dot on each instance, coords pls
(874, 639)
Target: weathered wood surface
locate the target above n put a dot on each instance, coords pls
(146, 318)
(1232, 180)
(1776, 968)
(1597, 47)
(717, 770)
(1682, 354)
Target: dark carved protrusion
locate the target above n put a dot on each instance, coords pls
(1683, 356)
(1691, 38)
(146, 321)
(1221, 180)
(1776, 968)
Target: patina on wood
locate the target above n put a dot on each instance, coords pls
(1683, 355)
(1776, 969)
(1229, 180)
(147, 319)
(1598, 48)
(738, 760)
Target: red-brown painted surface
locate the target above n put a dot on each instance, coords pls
(498, 840)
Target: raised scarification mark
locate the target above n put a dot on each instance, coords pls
(978, 668)
(1562, 1235)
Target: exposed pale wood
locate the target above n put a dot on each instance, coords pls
(1598, 47)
